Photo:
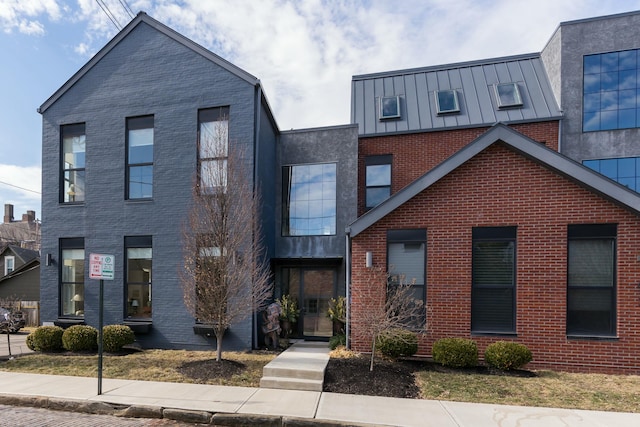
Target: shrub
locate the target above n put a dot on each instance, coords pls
(80, 338)
(397, 342)
(29, 342)
(455, 352)
(114, 337)
(337, 340)
(505, 355)
(46, 338)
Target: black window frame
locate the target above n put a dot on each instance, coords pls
(592, 232)
(72, 130)
(136, 242)
(484, 323)
(137, 123)
(210, 115)
(66, 244)
(377, 160)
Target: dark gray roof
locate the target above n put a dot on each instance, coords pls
(473, 82)
(25, 255)
(528, 148)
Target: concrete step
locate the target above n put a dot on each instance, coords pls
(292, 372)
(291, 383)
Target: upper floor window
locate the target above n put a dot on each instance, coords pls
(377, 179)
(624, 170)
(493, 282)
(9, 264)
(447, 101)
(140, 157)
(610, 91)
(139, 274)
(213, 148)
(73, 163)
(389, 107)
(72, 277)
(591, 280)
(309, 200)
(507, 95)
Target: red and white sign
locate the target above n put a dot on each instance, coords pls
(101, 266)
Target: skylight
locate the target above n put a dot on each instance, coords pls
(447, 101)
(508, 95)
(389, 107)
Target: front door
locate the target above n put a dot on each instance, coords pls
(312, 288)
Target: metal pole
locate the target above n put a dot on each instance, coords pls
(100, 315)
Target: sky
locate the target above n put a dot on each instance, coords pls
(304, 52)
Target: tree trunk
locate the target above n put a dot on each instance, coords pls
(219, 345)
(9, 341)
(373, 353)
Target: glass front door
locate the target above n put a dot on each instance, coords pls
(312, 289)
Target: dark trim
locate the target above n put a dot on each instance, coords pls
(494, 233)
(407, 235)
(592, 231)
(139, 328)
(64, 323)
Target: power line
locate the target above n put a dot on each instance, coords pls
(21, 188)
(110, 15)
(127, 8)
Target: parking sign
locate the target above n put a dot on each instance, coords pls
(101, 266)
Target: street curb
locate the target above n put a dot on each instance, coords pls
(157, 412)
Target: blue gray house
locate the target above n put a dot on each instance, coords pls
(119, 159)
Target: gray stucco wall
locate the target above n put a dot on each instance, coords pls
(337, 144)
(571, 42)
(146, 73)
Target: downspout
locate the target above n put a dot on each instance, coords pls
(560, 132)
(256, 169)
(348, 284)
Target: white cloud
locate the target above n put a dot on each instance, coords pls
(20, 186)
(18, 14)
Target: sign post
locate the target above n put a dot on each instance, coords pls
(101, 267)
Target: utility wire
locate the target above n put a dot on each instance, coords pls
(21, 188)
(107, 12)
(127, 8)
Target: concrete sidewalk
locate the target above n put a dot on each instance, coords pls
(207, 403)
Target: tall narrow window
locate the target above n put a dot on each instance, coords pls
(140, 157)
(493, 280)
(72, 277)
(139, 273)
(591, 280)
(9, 264)
(378, 180)
(406, 261)
(213, 148)
(309, 200)
(72, 189)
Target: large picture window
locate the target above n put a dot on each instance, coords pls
(72, 189)
(140, 157)
(213, 148)
(624, 170)
(309, 200)
(72, 277)
(139, 274)
(493, 280)
(377, 180)
(591, 281)
(610, 91)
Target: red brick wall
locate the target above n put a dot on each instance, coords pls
(414, 154)
(501, 188)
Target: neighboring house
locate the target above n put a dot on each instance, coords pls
(503, 235)
(24, 233)
(120, 157)
(20, 280)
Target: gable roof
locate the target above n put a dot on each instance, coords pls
(25, 255)
(473, 82)
(142, 17)
(535, 151)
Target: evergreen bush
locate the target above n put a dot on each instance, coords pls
(455, 352)
(114, 337)
(505, 355)
(46, 339)
(80, 338)
(397, 342)
(337, 340)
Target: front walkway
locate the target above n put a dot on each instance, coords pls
(300, 367)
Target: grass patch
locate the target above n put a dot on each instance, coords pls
(620, 393)
(148, 365)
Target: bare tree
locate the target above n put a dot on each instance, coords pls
(400, 309)
(225, 277)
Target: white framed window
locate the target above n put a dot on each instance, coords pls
(389, 107)
(447, 101)
(507, 95)
(9, 264)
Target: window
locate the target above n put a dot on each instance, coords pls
(72, 277)
(389, 107)
(447, 101)
(591, 280)
(624, 170)
(9, 264)
(377, 180)
(212, 266)
(73, 163)
(493, 280)
(610, 91)
(140, 157)
(406, 261)
(309, 200)
(507, 95)
(213, 146)
(139, 268)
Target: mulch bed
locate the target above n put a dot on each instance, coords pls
(204, 370)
